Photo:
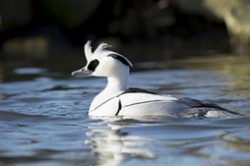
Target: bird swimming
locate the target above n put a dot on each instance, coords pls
(116, 99)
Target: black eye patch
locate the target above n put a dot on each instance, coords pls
(93, 64)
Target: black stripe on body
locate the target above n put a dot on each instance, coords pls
(143, 102)
(119, 107)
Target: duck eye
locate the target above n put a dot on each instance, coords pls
(93, 64)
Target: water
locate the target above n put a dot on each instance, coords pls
(44, 122)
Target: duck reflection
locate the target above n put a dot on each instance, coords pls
(113, 145)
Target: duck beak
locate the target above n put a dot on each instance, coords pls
(80, 72)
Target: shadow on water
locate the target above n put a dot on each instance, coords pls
(43, 115)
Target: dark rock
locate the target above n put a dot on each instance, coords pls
(234, 13)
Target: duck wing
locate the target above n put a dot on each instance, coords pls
(197, 108)
(150, 103)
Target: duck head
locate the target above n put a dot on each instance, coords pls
(103, 62)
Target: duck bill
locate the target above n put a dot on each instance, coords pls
(81, 72)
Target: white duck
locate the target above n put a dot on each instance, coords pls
(117, 100)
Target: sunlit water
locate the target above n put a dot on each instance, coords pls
(44, 121)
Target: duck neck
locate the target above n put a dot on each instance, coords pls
(116, 85)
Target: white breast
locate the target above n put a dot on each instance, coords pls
(106, 108)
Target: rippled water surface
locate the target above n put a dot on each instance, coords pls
(43, 117)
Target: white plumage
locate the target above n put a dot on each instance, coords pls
(117, 100)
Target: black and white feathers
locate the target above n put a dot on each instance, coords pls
(117, 100)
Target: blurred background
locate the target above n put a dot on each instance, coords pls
(52, 33)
